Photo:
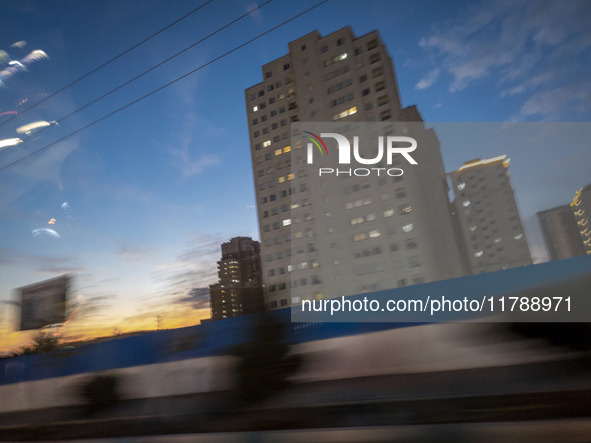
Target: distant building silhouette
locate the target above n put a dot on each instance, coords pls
(487, 216)
(561, 232)
(239, 290)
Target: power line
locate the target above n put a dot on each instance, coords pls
(92, 71)
(60, 120)
(225, 54)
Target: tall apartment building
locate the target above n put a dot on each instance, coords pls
(561, 233)
(581, 206)
(487, 216)
(239, 291)
(339, 237)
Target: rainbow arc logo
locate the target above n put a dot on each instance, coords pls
(316, 142)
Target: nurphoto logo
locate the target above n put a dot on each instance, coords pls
(387, 148)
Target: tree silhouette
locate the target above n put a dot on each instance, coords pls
(265, 363)
(42, 342)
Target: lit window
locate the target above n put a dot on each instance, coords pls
(278, 151)
(266, 143)
(461, 186)
(287, 222)
(290, 176)
(346, 113)
(388, 212)
(518, 236)
(466, 203)
(286, 149)
(255, 108)
(281, 180)
(478, 254)
(375, 233)
(408, 228)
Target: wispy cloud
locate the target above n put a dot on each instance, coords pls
(529, 49)
(40, 263)
(185, 153)
(428, 80)
(134, 252)
(198, 298)
(195, 267)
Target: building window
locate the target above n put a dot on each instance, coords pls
(340, 42)
(334, 59)
(286, 66)
(414, 262)
(411, 244)
(377, 72)
(324, 49)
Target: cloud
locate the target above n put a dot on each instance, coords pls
(535, 50)
(428, 80)
(41, 263)
(60, 270)
(195, 267)
(513, 91)
(197, 297)
(550, 104)
(134, 252)
(183, 156)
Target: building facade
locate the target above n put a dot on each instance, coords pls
(487, 216)
(239, 291)
(355, 235)
(561, 233)
(581, 206)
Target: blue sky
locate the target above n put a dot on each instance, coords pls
(152, 191)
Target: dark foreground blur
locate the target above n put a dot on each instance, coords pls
(547, 401)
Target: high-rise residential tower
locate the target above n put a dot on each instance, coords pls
(342, 236)
(561, 233)
(581, 206)
(487, 216)
(239, 290)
